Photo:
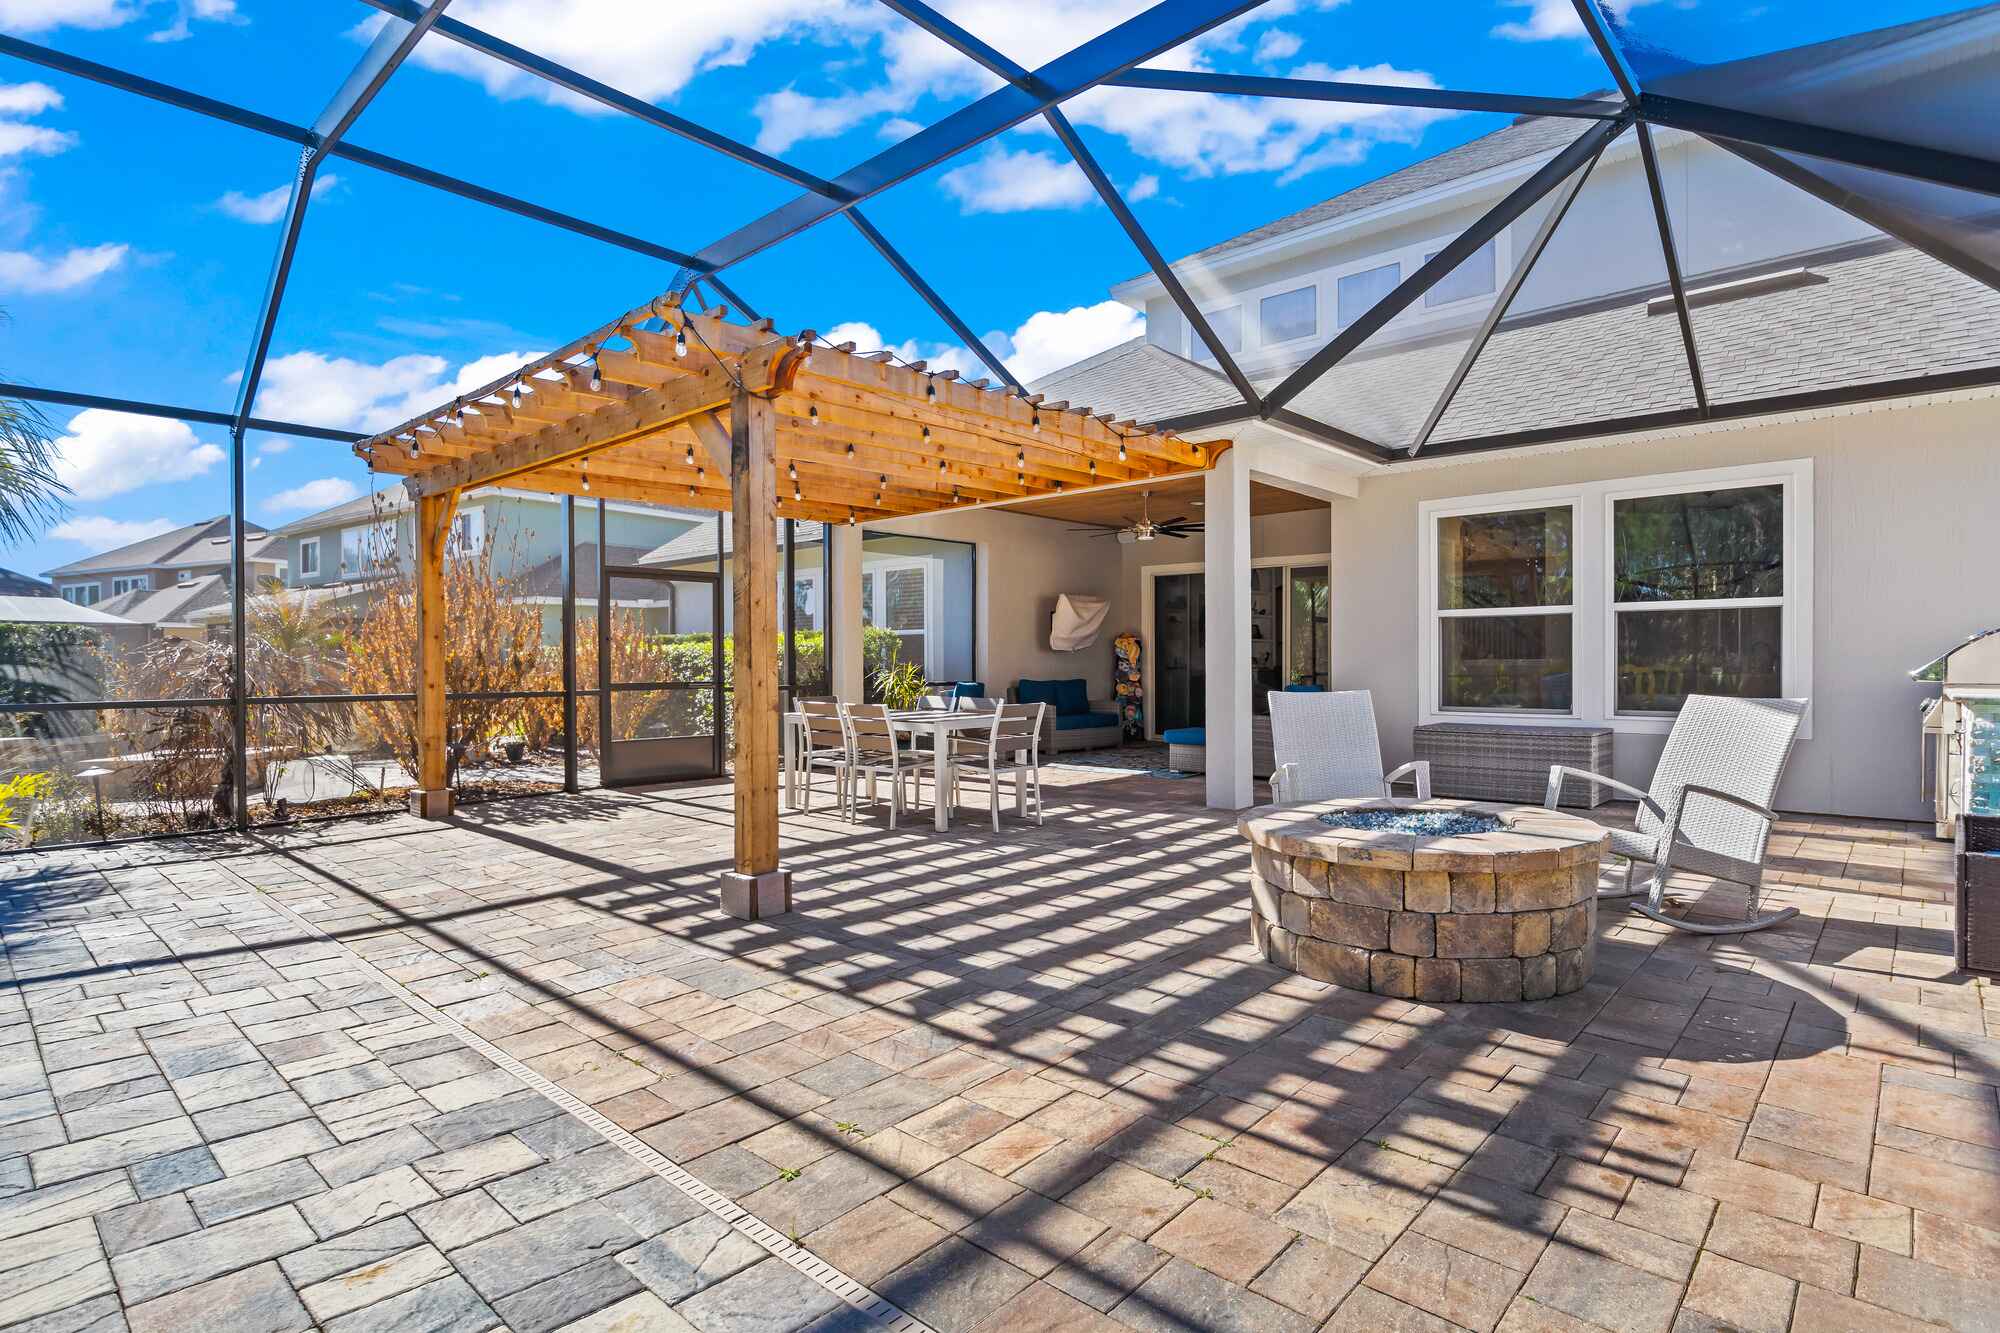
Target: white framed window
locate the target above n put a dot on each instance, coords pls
(904, 596)
(364, 547)
(1288, 315)
(308, 557)
(1356, 293)
(1228, 326)
(1473, 277)
(127, 583)
(468, 532)
(83, 594)
(1642, 591)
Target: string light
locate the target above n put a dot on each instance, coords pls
(517, 395)
(940, 467)
(690, 456)
(795, 492)
(1021, 457)
(681, 341)
(850, 449)
(457, 412)
(930, 390)
(927, 434)
(596, 376)
(415, 448)
(1121, 451)
(586, 476)
(1093, 467)
(1035, 421)
(792, 471)
(850, 518)
(812, 413)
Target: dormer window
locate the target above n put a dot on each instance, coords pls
(1472, 278)
(1358, 292)
(1288, 315)
(1228, 325)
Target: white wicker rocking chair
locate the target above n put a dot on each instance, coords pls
(1325, 747)
(1708, 811)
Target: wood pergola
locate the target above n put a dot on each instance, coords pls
(688, 408)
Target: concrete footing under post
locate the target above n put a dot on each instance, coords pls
(431, 804)
(754, 897)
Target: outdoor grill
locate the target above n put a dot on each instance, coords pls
(1961, 740)
(1961, 731)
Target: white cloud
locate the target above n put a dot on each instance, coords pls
(1276, 44)
(660, 49)
(108, 453)
(108, 534)
(359, 395)
(1000, 181)
(219, 11)
(1554, 20)
(1142, 189)
(41, 15)
(269, 206)
(320, 493)
(17, 139)
(1048, 340)
(642, 47)
(28, 99)
(21, 271)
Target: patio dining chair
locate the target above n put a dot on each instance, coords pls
(1708, 811)
(824, 742)
(876, 748)
(1324, 747)
(1012, 745)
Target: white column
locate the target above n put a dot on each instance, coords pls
(1226, 651)
(844, 593)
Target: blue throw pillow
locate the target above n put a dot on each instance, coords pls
(1072, 696)
(969, 689)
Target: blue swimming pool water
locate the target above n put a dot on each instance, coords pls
(1424, 823)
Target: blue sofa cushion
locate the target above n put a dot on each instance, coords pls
(969, 689)
(1305, 689)
(1064, 697)
(1085, 721)
(1185, 736)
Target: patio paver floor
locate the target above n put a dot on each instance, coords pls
(1036, 1079)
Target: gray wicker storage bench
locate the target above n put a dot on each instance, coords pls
(1501, 761)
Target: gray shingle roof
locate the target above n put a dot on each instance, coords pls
(152, 552)
(170, 605)
(15, 584)
(1880, 315)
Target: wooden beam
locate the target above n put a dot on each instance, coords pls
(762, 371)
(753, 473)
(432, 798)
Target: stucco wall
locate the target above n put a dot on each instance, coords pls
(1906, 543)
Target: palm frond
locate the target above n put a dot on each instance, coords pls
(31, 494)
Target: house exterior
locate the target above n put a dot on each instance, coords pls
(13, 584)
(343, 552)
(1584, 575)
(158, 582)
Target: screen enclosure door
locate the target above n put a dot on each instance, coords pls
(659, 675)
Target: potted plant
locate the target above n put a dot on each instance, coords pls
(513, 748)
(901, 685)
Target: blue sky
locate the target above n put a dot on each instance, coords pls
(135, 238)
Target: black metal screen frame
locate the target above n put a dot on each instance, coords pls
(1114, 57)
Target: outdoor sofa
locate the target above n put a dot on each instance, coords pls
(1073, 720)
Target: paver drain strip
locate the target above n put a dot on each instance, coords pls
(805, 1261)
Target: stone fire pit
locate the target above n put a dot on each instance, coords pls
(1509, 914)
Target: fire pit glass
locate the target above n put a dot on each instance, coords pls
(1423, 823)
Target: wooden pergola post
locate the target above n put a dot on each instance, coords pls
(756, 886)
(432, 797)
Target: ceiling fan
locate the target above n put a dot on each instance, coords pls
(1143, 528)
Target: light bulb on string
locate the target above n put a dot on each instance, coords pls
(812, 413)
(586, 476)
(1121, 451)
(596, 375)
(930, 390)
(415, 449)
(1035, 421)
(457, 417)
(517, 395)
(681, 341)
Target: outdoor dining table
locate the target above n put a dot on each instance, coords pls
(939, 723)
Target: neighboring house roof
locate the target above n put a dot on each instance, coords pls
(189, 544)
(360, 509)
(13, 584)
(1880, 314)
(545, 579)
(43, 610)
(171, 605)
(698, 543)
(344, 592)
